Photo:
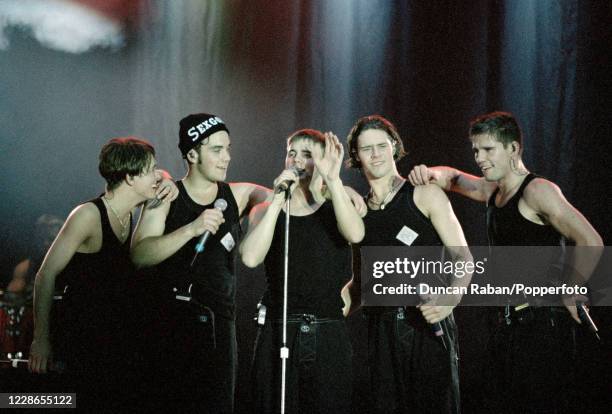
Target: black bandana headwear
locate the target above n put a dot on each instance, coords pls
(195, 128)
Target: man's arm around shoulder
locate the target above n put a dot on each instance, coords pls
(452, 179)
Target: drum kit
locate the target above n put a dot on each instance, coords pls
(16, 328)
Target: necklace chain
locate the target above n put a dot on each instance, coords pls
(383, 203)
(124, 226)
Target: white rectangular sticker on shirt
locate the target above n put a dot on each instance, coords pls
(228, 242)
(407, 236)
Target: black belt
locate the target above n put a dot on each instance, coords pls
(203, 314)
(399, 312)
(305, 318)
(525, 313)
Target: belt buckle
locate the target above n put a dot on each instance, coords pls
(308, 318)
(401, 313)
(306, 321)
(520, 307)
(261, 314)
(522, 316)
(507, 317)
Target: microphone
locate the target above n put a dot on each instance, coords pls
(221, 205)
(586, 320)
(154, 203)
(285, 185)
(436, 328)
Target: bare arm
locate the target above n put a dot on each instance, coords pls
(357, 200)
(351, 292)
(350, 223)
(79, 227)
(151, 246)
(433, 203)
(548, 201)
(452, 179)
(320, 193)
(328, 165)
(262, 221)
(249, 195)
(167, 190)
(317, 187)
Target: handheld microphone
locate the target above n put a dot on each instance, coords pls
(586, 320)
(436, 328)
(285, 185)
(154, 203)
(221, 205)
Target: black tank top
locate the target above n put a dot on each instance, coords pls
(507, 227)
(213, 275)
(99, 287)
(319, 265)
(400, 223)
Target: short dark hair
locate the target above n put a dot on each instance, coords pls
(308, 134)
(124, 156)
(501, 125)
(372, 122)
(197, 149)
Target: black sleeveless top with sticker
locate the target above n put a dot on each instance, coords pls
(213, 275)
(401, 223)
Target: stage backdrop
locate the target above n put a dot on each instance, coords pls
(269, 68)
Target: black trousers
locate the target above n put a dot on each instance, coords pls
(101, 381)
(191, 361)
(94, 348)
(319, 368)
(412, 370)
(531, 361)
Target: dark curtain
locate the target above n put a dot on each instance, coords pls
(269, 68)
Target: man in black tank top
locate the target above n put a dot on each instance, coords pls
(319, 366)
(194, 336)
(411, 369)
(91, 256)
(531, 357)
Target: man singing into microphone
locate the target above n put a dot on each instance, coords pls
(319, 365)
(411, 369)
(195, 335)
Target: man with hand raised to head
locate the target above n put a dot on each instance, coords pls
(319, 366)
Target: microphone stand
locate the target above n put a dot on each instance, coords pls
(284, 351)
